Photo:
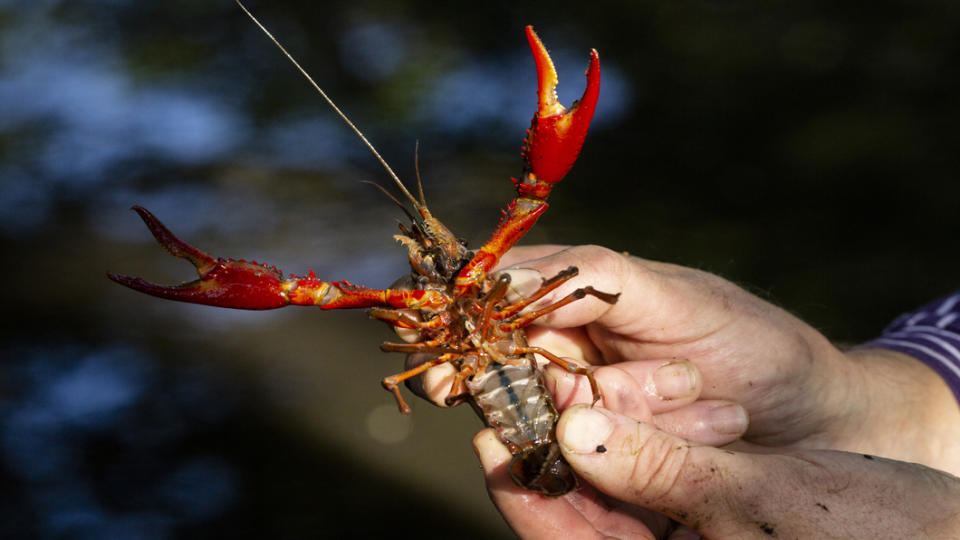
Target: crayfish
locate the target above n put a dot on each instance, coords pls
(450, 298)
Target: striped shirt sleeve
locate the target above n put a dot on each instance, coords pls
(932, 335)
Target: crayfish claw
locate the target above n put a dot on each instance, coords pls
(546, 76)
(144, 286)
(222, 282)
(556, 134)
(173, 245)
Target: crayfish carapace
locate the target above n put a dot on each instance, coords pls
(450, 298)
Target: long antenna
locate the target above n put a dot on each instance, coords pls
(323, 94)
(416, 167)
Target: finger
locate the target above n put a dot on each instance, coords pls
(530, 514)
(433, 385)
(682, 532)
(637, 463)
(519, 254)
(572, 343)
(494, 458)
(617, 389)
(409, 335)
(659, 302)
(635, 389)
(708, 422)
(733, 495)
(582, 513)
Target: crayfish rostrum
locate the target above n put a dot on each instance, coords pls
(450, 297)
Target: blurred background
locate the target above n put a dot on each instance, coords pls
(804, 150)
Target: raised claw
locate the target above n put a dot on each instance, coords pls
(551, 147)
(222, 282)
(556, 134)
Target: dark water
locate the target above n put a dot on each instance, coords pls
(806, 151)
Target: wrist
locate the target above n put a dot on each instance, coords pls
(907, 412)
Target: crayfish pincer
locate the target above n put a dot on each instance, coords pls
(459, 310)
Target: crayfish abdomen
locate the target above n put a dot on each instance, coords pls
(513, 401)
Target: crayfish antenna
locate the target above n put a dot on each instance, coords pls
(416, 169)
(391, 197)
(416, 204)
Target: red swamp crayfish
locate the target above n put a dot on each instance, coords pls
(458, 308)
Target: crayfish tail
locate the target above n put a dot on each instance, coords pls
(543, 470)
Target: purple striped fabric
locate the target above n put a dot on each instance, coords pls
(932, 335)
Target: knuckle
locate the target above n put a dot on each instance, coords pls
(598, 257)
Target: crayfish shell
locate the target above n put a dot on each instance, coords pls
(512, 399)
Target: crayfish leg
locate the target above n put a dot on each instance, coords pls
(403, 319)
(435, 346)
(458, 390)
(568, 365)
(578, 294)
(492, 298)
(392, 382)
(546, 286)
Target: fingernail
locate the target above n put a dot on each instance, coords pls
(728, 419)
(490, 450)
(523, 282)
(585, 430)
(675, 380)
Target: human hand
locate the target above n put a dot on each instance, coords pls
(634, 471)
(800, 391)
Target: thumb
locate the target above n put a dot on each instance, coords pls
(724, 494)
(637, 463)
